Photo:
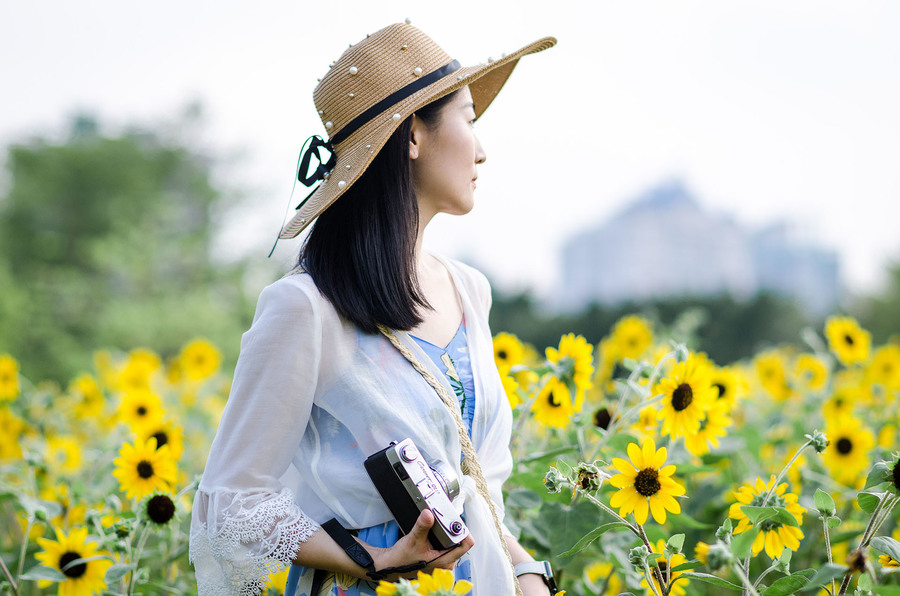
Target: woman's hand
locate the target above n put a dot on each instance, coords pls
(415, 547)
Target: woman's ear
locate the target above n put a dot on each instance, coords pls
(416, 136)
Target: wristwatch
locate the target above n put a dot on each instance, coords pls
(541, 568)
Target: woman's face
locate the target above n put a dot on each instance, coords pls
(445, 158)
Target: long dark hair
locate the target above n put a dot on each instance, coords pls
(361, 249)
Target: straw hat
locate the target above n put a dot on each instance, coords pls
(373, 87)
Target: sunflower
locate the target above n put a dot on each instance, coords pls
(141, 408)
(770, 368)
(602, 578)
(82, 579)
(647, 422)
(63, 454)
(441, 583)
(199, 360)
(142, 468)
(849, 444)
(510, 387)
(664, 566)
(9, 378)
(553, 404)
(575, 359)
(142, 364)
(810, 372)
(632, 336)
(774, 536)
(158, 508)
(687, 393)
(88, 396)
(847, 340)
(711, 428)
(508, 350)
(11, 429)
(700, 552)
(165, 433)
(644, 483)
(885, 367)
(888, 561)
(727, 383)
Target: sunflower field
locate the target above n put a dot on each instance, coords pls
(641, 467)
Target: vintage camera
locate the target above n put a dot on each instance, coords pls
(409, 485)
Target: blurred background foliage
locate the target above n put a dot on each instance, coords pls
(107, 240)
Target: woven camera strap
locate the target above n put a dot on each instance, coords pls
(470, 465)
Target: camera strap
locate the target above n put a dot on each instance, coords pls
(360, 555)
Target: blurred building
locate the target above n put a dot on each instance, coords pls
(665, 244)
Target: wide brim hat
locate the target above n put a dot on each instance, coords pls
(371, 89)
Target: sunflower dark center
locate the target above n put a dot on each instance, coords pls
(663, 566)
(896, 475)
(682, 397)
(844, 445)
(75, 570)
(160, 509)
(145, 469)
(646, 483)
(551, 399)
(849, 339)
(142, 411)
(161, 438)
(502, 354)
(602, 418)
(722, 390)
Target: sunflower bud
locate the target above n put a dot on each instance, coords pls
(719, 556)
(819, 441)
(590, 476)
(639, 555)
(723, 533)
(555, 480)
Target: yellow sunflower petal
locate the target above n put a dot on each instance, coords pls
(635, 455)
(641, 509)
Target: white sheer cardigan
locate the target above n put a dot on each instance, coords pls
(312, 397)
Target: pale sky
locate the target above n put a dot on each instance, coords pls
(768, 110)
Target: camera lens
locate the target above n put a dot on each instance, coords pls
(456, 528)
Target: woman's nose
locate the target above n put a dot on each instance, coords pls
(480, 156)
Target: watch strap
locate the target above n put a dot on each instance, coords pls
(541, 568)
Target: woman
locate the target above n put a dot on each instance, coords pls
(321, 382)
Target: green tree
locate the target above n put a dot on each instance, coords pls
(106, 241)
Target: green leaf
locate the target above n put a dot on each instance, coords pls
(619, 441)
(741, 543)
(688, 565)
(675, 543)
(714, 580)
(39, 572)
(824, 575)
(834, 522)
(785, 586)
(758, 514)
(590, 537)
(864, 582)
(868, 501)
(879, 474)
(886, 545)
(886, 590)
(683, 520)
(523, 498)
(117, 572)
(824, 502)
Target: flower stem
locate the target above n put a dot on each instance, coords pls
(739, 571)
(828, 546)
(783, 471)
(145, 533)
(24, 548)
(9, 578)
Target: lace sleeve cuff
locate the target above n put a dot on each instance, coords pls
(240, 538)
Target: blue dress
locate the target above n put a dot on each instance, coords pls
(454, 361)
